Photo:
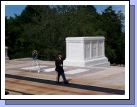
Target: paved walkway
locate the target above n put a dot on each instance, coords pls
(82, 80)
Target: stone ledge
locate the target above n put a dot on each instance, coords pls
(100, 62)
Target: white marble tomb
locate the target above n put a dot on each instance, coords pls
(85, 51)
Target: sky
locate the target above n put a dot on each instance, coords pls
(10, 10)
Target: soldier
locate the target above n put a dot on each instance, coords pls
(34, 54)
(59, 68)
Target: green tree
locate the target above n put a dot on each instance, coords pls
(113, 29)
(45, 28)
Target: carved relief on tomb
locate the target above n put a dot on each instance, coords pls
(87, 50)
(100, 48)
(94, 49)
(87, 46)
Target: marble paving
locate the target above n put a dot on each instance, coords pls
(82, 80)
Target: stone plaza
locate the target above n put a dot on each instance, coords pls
(82, 80)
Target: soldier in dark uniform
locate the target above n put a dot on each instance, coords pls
(34, 54)
(59, 68)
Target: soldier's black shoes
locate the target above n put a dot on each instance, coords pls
(66, 82)
(57, 82)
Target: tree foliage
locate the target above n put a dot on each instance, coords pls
(45, 28)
